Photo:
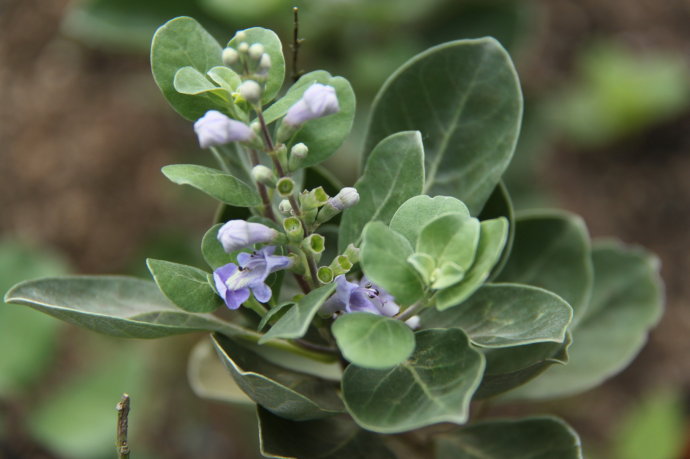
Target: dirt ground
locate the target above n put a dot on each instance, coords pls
(83, 135)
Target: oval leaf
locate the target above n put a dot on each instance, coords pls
(552, 251)
(295, 322)
(492, 239)
(423, 209)
(383, 256)
(533, 438)
(627, 301)
(450, 238)
(189, 80)
(434, 385)
(372, 341)
(178, 43)
(500, 205)
(286, 393)
(186, 286)
(219, 185)
(212, 250)
(116, 305)
(465, 98)
(393, 174)
(505, 315)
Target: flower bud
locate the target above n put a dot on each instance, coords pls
(264, 175)
(285, 207)
(250, 91)
(325, 275)
(297, 154)
(346, 198)
(317, 101)
(340, 265)
(265, 63)
(239, 234)
(413, 322)
(285, 187)
(215, 129)
(230, 57)
(314, 198)
(256, 51)
(243, 47)
(314, 244)
(352, 253)
(240, 36)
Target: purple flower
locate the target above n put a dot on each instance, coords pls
(234, 283)
(363, 297)
(317, 101)
(346, 198)
(215, 129)
(240, 234)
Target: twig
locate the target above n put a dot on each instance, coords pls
(296, 41)
(122, 416)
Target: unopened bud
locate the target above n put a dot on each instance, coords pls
(230, 57)
(285, 187)
(265, 63)
(352, 253)
(240, 36)
(256, 51)
(243, 47)
(346, 198)
(297, 155)
(264, 175)
(314, 198)
(285, 207)
(250, 91)
(314, 244)
(340, 265)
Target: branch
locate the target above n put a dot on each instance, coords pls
(122, 414)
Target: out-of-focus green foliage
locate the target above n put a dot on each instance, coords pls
(27, 338)
(654, 428)
(620, 92)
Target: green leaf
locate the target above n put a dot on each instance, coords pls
(212, 250)
(422, 208)
(500, 205)
(116, 305)
(510, 367)
(30, 335)
(434, 385)
(393, 174)
(208, 377)
(552, 251)
(336, 437)
(183, 42)
(492, 239)
(186, 286)
(372, 341)
(505, 315)
(465, 98)
(189, 80)
(225, 78)
(450, 238)
(274, 48)
(295, 322)
(383, 256)
(627, 300)
(286, 393)
(219, 185)
(532, 438)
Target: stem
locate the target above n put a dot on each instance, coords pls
(316, 347)
(409, 312)
(220, 159)
(306, 288)
(255, 306)
(296, 41)
(268, 208)
(122, 417)
(312, 268)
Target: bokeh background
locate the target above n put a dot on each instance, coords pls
(84, 132)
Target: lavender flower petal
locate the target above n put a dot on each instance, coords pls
(215, 129)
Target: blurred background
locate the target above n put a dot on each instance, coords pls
(84, 132)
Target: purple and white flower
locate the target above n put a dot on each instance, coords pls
(317, 101)
(215, 129)
(239, 234)
(363, 297)
(235, 283)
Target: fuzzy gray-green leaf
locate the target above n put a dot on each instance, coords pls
(217, 184)
(186, 286)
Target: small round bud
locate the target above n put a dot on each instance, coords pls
(240, 36)
(230, 57)
(265, 63)
(300, 150)
(250, 91)
(285, 207)
(256, 51)
(346, 198)
(243, 47)
(264, 175)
